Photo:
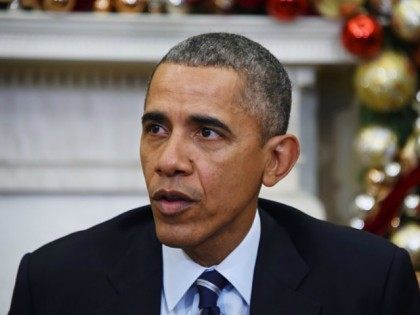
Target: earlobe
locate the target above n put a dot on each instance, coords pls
(282, 154)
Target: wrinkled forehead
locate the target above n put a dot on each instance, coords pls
(196, 81)
(171, 73)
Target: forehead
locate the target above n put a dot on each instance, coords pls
(194, 86)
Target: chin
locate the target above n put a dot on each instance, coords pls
(176, 240)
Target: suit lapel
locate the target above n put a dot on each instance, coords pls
(137, 277)
(279, 271)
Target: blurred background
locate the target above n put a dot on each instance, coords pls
(72, 82)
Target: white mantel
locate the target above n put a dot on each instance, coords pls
(146, 37)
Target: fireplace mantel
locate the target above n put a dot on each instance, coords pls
(145, 37)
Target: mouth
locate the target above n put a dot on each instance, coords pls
(171, 202)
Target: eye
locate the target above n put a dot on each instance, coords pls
(155, 129)
(209, 133)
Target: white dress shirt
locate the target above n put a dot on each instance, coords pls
(179, 294)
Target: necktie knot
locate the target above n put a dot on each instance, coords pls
(209, 286)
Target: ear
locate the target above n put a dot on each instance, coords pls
(282, 154)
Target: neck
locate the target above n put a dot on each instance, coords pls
(214, 251)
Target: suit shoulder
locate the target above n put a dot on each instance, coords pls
(372, 271)
(107, 237)
(312, 236)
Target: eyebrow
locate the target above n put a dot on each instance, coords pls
(209, 121)
(158, 117)
(205, 120)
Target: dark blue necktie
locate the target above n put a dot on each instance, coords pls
(209, 286)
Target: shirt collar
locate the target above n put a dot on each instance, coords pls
(237, 267)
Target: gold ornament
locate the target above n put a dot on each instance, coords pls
(357, 223)
(102, 6)
(410, 153)
(337, 8)
(130, 6)
(377, 182)
(406, 20)
(362, 206)
(223, 5)
(411, 206)
(376, 146)
(408, 237)
(363, 203)
(392, 172)
(386, 83)
(59, 5)
(374, 181)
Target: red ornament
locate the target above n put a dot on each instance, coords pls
(362, 36)
(286, 10)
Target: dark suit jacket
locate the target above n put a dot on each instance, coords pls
(304, 266)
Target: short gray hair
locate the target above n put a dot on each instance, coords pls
(266, 90)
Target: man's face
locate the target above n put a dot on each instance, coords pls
(201, 155)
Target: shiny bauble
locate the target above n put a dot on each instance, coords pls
(357, 223)
(410, 152)
(177, 6)
(362, 36)
(376, 146)
(387, 83)
(411, 206)
(130, 6)
(286, 10)
(363, 203)
(374, 181)
(59, 5)
(393, 172)
(102, 6)
(406, 20)
(408, 237)
(376, 185)
(337, 8)
(223, 6)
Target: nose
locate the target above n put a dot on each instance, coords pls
(175, 157)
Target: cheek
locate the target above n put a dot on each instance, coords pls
(221, 176)
(146, 161)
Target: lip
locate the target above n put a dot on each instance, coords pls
(171, 202)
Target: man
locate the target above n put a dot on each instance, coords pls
(214, 130)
